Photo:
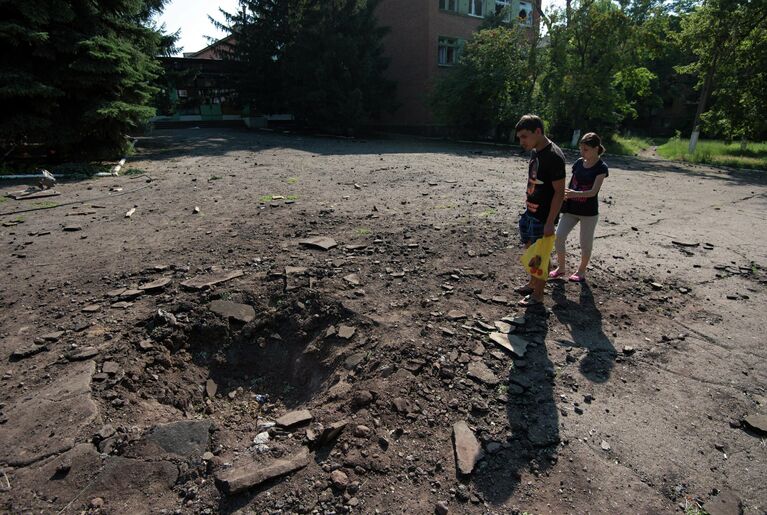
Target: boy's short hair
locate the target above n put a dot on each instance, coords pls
(529, 122)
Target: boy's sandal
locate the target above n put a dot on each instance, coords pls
(556, 274)
(529, 301)
(524, 290)
(575, 278)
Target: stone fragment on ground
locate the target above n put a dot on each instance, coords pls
(232, 310)
(184, 438)
(757, 422)
(467, 449)
(294, 418)
(346, 332)
(511, 342)
(246, 476)
(480, 372)
(156, 285)
(206, 281)
(319, 242)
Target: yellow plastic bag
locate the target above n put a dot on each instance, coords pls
(536, 258)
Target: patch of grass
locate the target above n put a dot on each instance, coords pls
(291, 197)
(134, 171)
(3, 199)
(266, 198)
(627, 146)
(214, 178)
(717, 152)
(292, 180)
(487, 212)
(363, 231)
(19, 220)
(46, 204)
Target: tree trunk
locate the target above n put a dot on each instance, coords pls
(704, 93)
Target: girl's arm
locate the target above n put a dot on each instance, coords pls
(590, 193)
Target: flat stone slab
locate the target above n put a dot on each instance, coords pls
(352, 279)
(240, 312)
(52, 337)
(185, 438)
(46, 421)
(511, 342)
(92, 308)
(468, 451)
(319, 242)
(294, 418)
(455, 314)
(480, 372)
(206, 281)
(757, 422)
(244, 477)
(27, 351)
(82, 354)
(157, 285)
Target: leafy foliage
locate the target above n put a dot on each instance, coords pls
(320, 61)
(77, 75)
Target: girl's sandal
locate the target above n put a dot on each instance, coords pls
(556, 274)
(575, 278)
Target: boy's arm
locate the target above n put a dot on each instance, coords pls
(556, 205)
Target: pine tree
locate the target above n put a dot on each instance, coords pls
(77, 75)
(320, 61)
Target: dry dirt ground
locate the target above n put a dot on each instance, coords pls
(638, 393)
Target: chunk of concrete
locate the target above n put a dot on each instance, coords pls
(244, 477)
(468, 451)
(295, 418)
(241, 312)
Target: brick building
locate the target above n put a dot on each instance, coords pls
(425, 40)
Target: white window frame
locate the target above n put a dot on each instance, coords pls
(475, 8)
(448, 5)
(447, 51)
(528, 7)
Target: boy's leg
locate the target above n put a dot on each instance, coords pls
(565, 225)
(526, 234)
(588, 228)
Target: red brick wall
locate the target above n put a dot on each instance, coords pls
(406, 46)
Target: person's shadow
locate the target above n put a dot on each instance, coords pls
(584, 320)
(531, 440)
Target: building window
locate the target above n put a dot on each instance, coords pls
(502, 8)
(525, 14)
(182, 93)
(447, 54)
(475, 7)
(448, 5)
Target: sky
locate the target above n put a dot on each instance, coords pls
(191, 16)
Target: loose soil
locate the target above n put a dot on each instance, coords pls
(630, 398)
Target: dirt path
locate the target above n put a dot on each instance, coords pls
(630, 398)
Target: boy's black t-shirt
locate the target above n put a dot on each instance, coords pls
(583, 180)
(546, 166)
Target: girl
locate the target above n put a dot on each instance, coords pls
(581, 205)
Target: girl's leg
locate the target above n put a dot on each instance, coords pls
(566, 224)
(588, 227)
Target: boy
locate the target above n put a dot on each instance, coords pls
(545, 192)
